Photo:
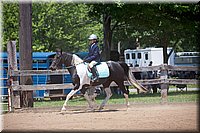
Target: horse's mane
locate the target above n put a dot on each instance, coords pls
(76, 60)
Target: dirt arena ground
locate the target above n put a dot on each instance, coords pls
(139, 117)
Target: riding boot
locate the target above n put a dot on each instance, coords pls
(95, 76)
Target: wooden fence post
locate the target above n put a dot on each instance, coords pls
(164, 84)
(25, 50)
(12, 66)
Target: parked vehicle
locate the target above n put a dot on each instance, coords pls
(187, 59)
(142, 57)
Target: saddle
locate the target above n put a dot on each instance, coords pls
(102, 69)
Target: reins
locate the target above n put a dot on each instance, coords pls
(74, 65)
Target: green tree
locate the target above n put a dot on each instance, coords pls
(156, 25)
(54, 25)
(10, 23)
(68, 25)
(62, 25)
(107, 14)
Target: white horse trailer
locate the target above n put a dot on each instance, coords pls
(142, 57)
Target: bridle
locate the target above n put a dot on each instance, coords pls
(59, 59)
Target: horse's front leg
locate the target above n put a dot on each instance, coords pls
(72, 92)
(108, 95)
(77, 87)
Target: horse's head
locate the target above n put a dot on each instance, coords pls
(57, 60)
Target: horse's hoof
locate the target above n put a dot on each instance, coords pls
(128, 105)
(89, 110)
(101, 108)
(63, 109)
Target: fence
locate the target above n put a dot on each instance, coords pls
(163, 80)
(164, 74)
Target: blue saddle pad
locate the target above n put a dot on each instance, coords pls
(103, 70)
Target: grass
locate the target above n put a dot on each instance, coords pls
(173, 97)
(188, 86)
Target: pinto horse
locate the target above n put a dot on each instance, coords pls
(118, 72)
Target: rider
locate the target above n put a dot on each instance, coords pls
(93, 57)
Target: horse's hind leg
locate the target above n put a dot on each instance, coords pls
(125, 92)
(108, 95)
(126, 97)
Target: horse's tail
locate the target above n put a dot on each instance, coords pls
(130, 77)
(134, 82)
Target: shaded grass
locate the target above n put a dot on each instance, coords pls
(173, 97)
(4, 108)
(188, 86)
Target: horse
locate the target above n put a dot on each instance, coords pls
(78, 69)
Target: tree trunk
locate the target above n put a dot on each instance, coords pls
(25, 51)
(107, 37)
(165, 45)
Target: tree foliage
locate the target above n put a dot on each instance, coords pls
(10, 23)
(68, 25)
(62, 25)
(156, 25)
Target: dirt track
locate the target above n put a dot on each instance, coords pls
(139, 117)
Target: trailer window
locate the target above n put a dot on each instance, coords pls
(127, 56)
(146, 56)
(133, 55)
(139, 56)
(187, 60)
